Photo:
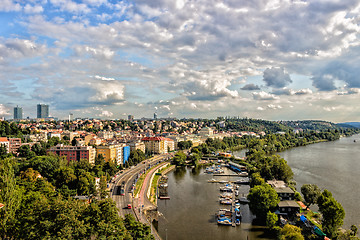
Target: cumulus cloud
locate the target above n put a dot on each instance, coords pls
(20, 48)
(290, 92)
(195, 51)
(4, 111)
(272, 106)
(250, 87)
(9, 6)
(264, 96)
(276, 77)
(105, 113)
(345, 70)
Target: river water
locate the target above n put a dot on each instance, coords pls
(190, 213)
(334, 166)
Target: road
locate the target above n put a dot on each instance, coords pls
(128, 177)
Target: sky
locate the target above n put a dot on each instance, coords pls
(268, 59)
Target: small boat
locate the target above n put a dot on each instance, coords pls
(223, 181)
(237, 213)
(237, 205)
(226, 201)
(226, 189)
(236, 193)
(237, 222)
(224, 221)
(212, 180)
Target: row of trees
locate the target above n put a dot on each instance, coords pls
(38, 203)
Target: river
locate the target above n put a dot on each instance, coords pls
(190, 214)
(331, 165)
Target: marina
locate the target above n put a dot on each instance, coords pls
(190, 214)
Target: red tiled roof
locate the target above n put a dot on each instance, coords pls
(3, 139)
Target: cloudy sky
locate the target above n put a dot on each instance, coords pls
(269, 59)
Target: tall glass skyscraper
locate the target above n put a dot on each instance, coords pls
(18, 112)
(42, 111)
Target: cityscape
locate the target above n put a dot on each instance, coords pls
(179, 119)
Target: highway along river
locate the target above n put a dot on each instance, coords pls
(190, 213)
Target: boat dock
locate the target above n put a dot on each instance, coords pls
(230, 175)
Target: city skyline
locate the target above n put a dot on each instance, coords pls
(274, 60)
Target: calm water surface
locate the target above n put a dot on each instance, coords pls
(334, 166)
(190, 214)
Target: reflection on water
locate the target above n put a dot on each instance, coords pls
(190, 213)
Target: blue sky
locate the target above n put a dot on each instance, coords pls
(272, 59)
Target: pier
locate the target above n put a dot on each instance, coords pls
(230, 175)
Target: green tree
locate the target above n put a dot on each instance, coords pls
(137, 229)
(271, 220)
(332, 211)
(179, 159)
(102, 188)
(290, 232)
(194, 158)
(10, 196)
(256, 179)
(311, 192)
(24, 151)
(263, 198)
(3, 152)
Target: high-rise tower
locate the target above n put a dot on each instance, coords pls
(42, 111)
(18, 113)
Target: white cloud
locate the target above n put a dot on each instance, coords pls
(9, 6)
(272, 106)
(3, 110)
(264, 96)
(33, 9)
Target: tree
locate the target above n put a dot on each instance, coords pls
(179, 159)
(311, 192)
(3, 152)
(263, 198)
(10, 196)
(271, 220)
(24, 151)
(256, 179)
(332, 211)
(290, 232)
(102, 188)
(194, 158)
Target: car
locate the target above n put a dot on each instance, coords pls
(129, 206)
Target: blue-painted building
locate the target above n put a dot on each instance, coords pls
(126, 153)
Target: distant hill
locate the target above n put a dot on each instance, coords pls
(311, 125)
(349, 124)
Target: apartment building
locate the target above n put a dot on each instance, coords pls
(75, 153)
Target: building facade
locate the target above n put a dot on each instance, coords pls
(42, 111)
(75, 153)
(158, 144)
(18, 113)
(137, 145)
